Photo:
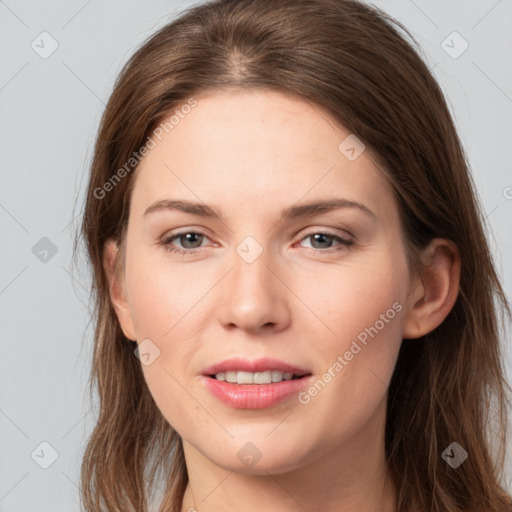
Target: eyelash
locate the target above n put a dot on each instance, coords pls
(343, 243)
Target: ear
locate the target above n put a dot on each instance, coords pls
(117, 289)
(433, 294)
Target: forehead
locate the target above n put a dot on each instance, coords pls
(263, 145)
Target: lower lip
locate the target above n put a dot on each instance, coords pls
(254, 396)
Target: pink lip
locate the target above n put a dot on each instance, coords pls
(254, 396)
(259, 365)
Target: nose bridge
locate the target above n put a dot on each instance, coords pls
(253, 297)
(251, 278)
(250, 263)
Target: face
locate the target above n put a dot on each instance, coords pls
(253, 284)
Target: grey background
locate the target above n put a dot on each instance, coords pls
(50, 109)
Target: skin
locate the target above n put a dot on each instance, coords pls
(251, 155)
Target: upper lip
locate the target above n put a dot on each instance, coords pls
(256, 365)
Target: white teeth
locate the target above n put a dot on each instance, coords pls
(277, 376)
(262, 377)
(244, 378)
(231, 376)
(266, 377)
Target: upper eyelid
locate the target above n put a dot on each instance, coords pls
(326, 231)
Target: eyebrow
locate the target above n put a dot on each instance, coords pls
(298, 211)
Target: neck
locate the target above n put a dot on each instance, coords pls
(353, 476)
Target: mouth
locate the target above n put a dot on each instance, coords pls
(261, 378)
(260, 371)
(257, 384)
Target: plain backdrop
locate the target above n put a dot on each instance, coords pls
(58, 61)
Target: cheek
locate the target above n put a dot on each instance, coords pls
(162, 305)
(162, 297)
(349, 298)
(361, 307)
(167, 309)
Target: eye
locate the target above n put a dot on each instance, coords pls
(191, 240)
(322, 242)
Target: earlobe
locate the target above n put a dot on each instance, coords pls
(434, 294)
(117, 289)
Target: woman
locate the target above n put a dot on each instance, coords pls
(240, 363)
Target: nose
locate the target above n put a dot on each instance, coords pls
(254, 296)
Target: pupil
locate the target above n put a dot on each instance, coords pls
(321, 235)
(188, 240)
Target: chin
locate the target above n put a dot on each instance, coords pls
(258, 459)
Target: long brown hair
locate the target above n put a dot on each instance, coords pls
(364, 69)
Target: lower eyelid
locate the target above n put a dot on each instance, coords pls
(343, 242)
